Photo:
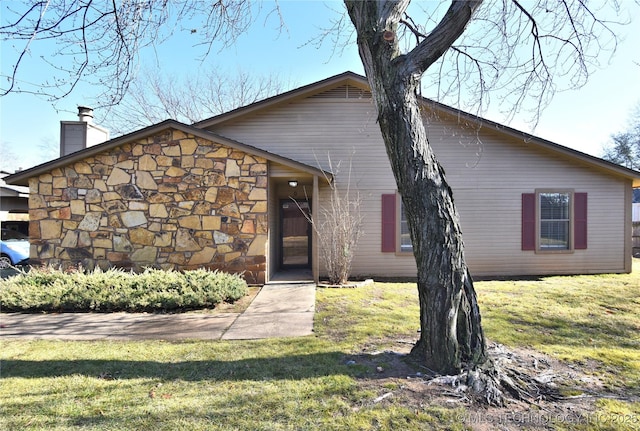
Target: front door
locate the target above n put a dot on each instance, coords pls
(295, 234)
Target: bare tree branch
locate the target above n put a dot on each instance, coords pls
(448, 30)
(101, 42)
(154, 97)
(526, 53)
(339, 33)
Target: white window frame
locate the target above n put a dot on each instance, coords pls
(540, 248)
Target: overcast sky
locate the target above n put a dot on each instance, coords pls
(582, 119)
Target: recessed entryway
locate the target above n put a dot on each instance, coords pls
(295, 234)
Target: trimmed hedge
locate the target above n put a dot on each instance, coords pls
(153, 290)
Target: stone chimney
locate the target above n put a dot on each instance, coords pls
(78, 135)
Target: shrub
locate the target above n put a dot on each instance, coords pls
(339, 227)
(153, 290)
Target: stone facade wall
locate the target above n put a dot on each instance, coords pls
(172, 201)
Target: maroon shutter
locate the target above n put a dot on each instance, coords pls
(389, 223)
(528, 221)
(580, 221)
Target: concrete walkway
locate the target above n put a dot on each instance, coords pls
(279, 310)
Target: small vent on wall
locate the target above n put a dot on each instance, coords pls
(344, 92)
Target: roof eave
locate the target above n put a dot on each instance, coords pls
(361, 81)
(286, 97)
(22, 177)
(610, 167)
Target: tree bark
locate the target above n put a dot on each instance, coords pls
(451, 333)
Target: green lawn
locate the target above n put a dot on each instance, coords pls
(329, 380)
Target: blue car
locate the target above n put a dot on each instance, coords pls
(14, 248)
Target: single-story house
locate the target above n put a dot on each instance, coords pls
(220, 193)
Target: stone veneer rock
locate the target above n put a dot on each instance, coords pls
(173, 201)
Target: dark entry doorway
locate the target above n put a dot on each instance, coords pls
(295, 234)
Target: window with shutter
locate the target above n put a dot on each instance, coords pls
(395, 230)
(554, 221)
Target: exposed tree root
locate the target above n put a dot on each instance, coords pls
(520, 388)
(500, 380)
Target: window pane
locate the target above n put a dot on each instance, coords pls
(554, 235)
(554, 221)
(554, 206)
(405, 237)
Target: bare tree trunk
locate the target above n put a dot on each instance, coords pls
(451, 333)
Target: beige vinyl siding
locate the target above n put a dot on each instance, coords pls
(488, 186)
(487, 171)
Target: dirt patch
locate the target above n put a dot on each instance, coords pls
(238, 306)
(568, 397)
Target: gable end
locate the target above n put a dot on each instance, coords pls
(343, 92)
